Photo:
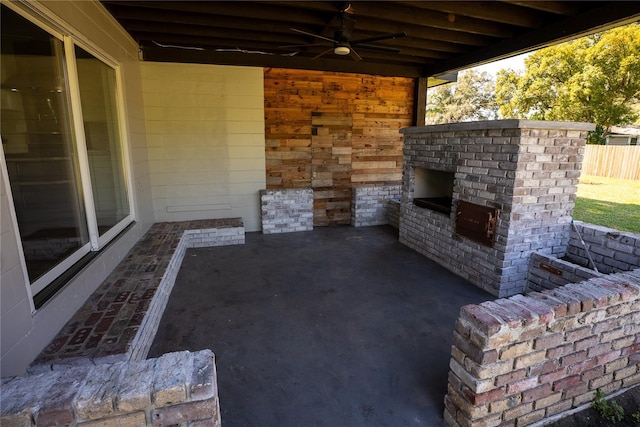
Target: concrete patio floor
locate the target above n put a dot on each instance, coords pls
(339, 326)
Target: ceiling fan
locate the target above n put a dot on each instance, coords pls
(342, 42)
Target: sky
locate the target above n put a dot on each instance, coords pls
(515, 63)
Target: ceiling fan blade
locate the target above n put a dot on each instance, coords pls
(378, 48)
(314, 35)
(295, 46)
(354, 55)
(378, 38)
(323, 53)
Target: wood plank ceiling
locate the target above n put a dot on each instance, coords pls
(441, 36)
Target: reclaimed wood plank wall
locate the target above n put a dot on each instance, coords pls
(332, 131)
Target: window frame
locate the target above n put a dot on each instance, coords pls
(96, 241)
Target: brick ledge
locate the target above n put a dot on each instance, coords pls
(119, 321)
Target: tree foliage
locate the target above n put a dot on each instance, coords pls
(470, 98)
(594, 79)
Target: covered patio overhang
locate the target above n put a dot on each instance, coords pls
(441, 37)
(433, 39)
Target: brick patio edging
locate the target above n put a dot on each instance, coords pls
(548, 272)
(612, 250)
(174, 389)
(524, 359)
(120, 319)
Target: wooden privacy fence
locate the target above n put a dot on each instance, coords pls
(613, 161)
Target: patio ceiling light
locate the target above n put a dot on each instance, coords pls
(342, 50)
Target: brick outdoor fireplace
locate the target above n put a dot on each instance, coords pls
(480, 197)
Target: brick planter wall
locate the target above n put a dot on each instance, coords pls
(286, 210)
(175, 389)
(547, 272)
(612, 250)
(528, 170)
(118, 322)
(520, 360)
(370, 204)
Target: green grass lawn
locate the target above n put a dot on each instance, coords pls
(609, 202)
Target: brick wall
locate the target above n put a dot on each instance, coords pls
(175, 389)
(547, 272)
(519, 360)
(528, 170)
(612, 250)
(370, 204)
(286, 210)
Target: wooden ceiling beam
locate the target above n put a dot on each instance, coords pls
(445, 37)
(195, 19)
(485, 10)
(246, 9)
(213, 43)
(271, 61)
(207, 43)
(568, 8)
(197, 30)
(368, 26)
(411, 15)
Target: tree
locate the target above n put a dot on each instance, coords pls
(470, 98)
(593, 79)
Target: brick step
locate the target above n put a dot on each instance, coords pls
(120, 319)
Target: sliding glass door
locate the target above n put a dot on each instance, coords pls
(62, 142)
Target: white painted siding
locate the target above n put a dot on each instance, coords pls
(25, 334)
(205, 132)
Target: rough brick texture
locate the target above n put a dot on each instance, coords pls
(119, 321)
(612, 251)
(370, 204)
(548, 272)
(528, 170)
(286, 210)
(520, 360)
(121, 393)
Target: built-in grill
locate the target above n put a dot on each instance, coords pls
(480, 197)
(433, 189)
(476, 222)
(438, 204)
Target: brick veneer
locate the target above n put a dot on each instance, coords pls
(119, 321)
(528, 170)
(612, 250)
(370, 204)
(286, 210)
(174, 389)
(519, 360)
(547, 272)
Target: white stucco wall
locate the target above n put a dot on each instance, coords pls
(23, 333)
(205, 132)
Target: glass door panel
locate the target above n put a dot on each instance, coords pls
(37, 140)
(97, 83)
